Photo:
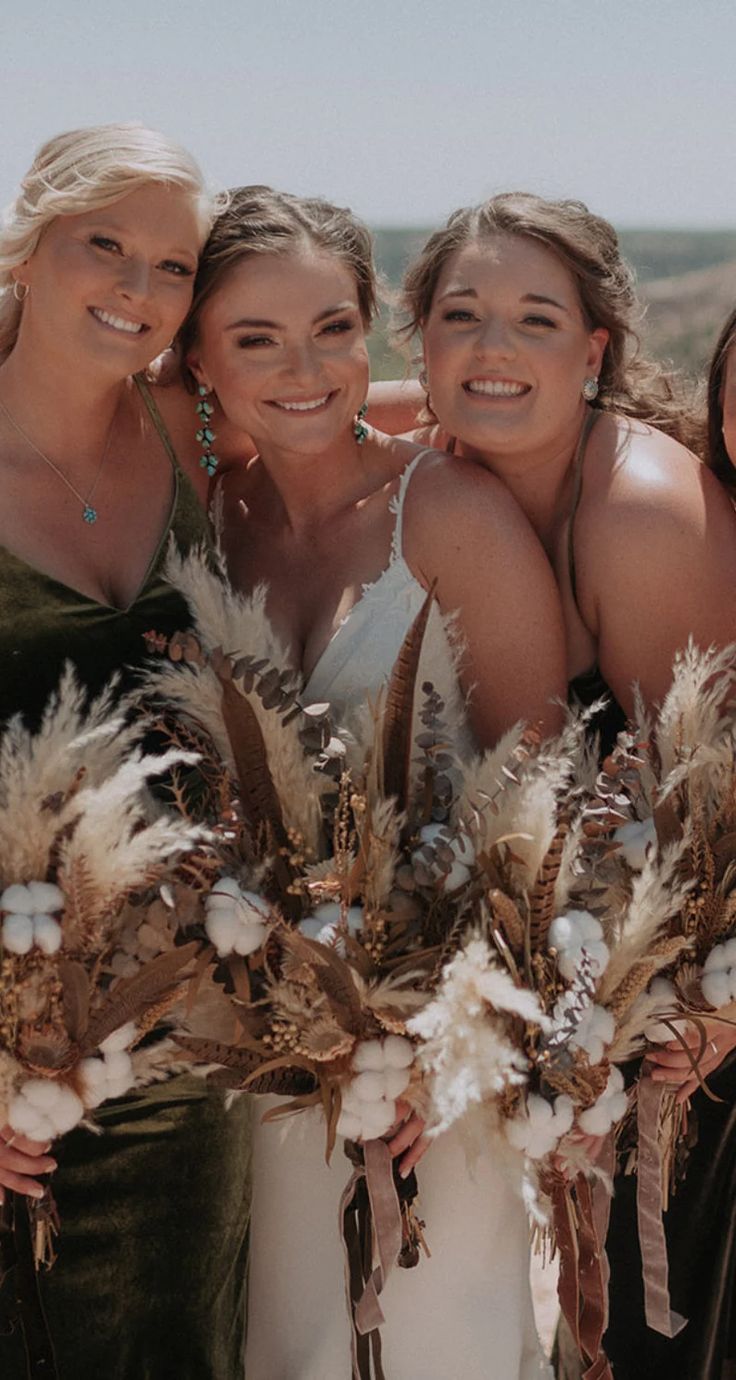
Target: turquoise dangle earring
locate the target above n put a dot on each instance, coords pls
(360, 429)
(206, 435)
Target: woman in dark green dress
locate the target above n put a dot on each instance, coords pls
(96, 272)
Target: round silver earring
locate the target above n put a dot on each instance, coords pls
(590, 389)
(25, 289)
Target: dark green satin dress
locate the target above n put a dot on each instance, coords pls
(150, 1278)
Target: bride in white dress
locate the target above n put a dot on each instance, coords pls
(350, 528)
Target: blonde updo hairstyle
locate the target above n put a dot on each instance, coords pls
(85, 170)
(260, 221)
(588, 246)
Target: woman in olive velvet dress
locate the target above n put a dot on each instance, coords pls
(96, 269)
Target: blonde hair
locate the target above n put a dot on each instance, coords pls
(84, 170)
(588, 246)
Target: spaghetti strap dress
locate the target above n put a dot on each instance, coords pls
(589, 687)
(149, 1282)
(467, 1310)
(700, 1223)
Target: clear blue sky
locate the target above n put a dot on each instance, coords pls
(401, 109)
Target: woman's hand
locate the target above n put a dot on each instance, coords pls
(20, 1160)
(670, 1063)
(408, 1134)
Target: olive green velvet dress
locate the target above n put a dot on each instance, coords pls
(150, 1278)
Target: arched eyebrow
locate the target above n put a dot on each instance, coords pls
(541, 301)
(536, 298)
(249, 323)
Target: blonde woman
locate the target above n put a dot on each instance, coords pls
(97, 263)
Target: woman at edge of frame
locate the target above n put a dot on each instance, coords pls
(97, 263)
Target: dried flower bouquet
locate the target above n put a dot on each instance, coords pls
(91, 959)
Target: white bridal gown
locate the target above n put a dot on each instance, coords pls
(465, 1313)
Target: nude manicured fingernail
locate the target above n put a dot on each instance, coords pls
(36, 1192)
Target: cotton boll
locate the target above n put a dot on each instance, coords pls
(595, 1030)
(46, 934)
(94, 1082)
(395, 1081)
(459, 875)
(119, 1064)
(27, 1120)
(42, 1093)
(635, 839)
(46, 897)
(235, 920)
(349, 1124)
(18, 933)
(222, 931)
(719, 974)
(717, 987)
(398, 1052)
(729, 952)
(570, 934)
(17, 898)
(378, 1118)
(368, 1086)
(370, 1054)
(325, 926)
(122, 1038)
(68, 1110)
(609, 1108)
(224, 887)
(462, 850)
(540, 1126)
(249, 938)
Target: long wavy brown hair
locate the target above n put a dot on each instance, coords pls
(717, 456)
(588, 246)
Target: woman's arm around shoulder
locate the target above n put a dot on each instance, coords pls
(463, 530)
(656, 548)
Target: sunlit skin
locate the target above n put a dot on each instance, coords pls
(650, 520)
(65, 381)
(67, 378)
(282, 344)
(506, 315)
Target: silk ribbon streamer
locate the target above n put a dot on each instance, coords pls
(370, 1223)
(652, 1240)
(581, 1213)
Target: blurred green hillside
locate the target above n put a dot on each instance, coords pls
(687, 280)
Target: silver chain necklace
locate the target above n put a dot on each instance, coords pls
(89, 514)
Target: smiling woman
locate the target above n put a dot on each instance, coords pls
(97, 262)
(350, 529)
(527, 312)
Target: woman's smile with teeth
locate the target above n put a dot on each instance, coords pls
(308, 405)
(118, 323)
(496, 388)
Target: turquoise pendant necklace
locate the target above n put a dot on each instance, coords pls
(89, 513)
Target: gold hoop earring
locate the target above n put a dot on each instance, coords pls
(20, 296)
